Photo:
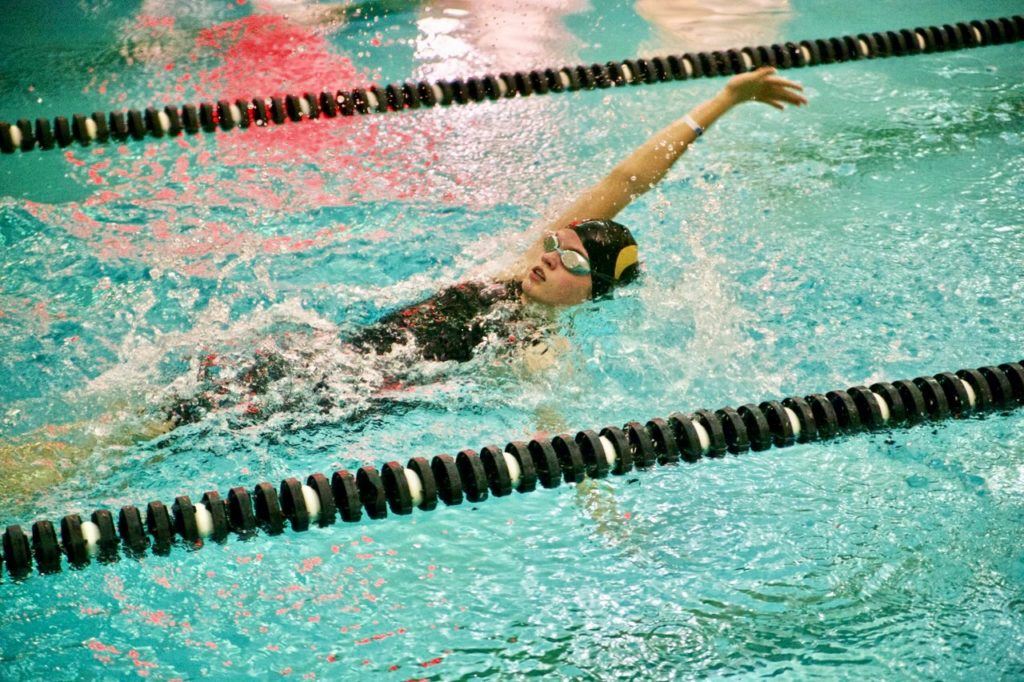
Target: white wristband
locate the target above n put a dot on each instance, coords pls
(693, 124)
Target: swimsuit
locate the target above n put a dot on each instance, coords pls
(449, 325)
(452, 325)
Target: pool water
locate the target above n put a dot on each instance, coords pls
(876, 234)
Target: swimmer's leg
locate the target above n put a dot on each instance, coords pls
(44, 457)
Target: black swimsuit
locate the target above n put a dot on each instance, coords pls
(450, 325)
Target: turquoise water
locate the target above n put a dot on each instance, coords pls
(876, 234)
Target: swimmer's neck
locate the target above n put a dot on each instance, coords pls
(539, 309)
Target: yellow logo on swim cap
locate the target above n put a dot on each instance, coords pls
(627, 256)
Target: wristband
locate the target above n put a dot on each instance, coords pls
(693, 124)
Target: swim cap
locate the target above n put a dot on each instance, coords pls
(612, 251)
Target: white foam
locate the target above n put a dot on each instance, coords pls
(140, 356)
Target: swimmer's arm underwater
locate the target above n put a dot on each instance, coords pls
(649, 163)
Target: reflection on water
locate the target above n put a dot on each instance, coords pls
(460, 37)
(711, 25)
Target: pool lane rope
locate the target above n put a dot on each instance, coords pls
(473, 475)
(171, 121)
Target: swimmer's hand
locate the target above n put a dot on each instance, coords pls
(544, 354)
(764, 86)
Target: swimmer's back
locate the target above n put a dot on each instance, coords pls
(450, 324)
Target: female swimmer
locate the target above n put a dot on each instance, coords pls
(580, 256)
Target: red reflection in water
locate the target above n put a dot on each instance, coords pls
(286, 168)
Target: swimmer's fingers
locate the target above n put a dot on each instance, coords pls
(783, 82)
(780, 89)
(763, 85)
(789, 97)
(791, 92)
(771, 103)
(778, 96)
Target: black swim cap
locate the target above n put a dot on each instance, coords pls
(612, 251)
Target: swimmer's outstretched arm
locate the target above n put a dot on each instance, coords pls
(649, 163)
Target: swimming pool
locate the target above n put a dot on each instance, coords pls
(875, 234)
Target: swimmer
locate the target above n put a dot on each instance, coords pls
(582, 255)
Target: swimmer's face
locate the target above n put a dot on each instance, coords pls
(548, 281)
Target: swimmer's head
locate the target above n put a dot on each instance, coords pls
(561, 276)
(613, 254)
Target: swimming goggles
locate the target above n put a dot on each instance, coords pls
(574, 261)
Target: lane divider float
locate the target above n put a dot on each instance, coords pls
(172, 121)
(475, 475)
